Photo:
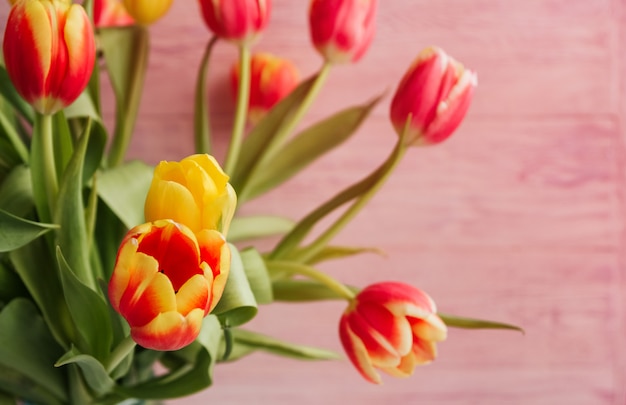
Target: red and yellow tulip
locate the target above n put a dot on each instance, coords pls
(342, 30)
(194, 192)
(271, 79)
(49, 52)
(393, 327)
(145, 12)
(111, 13)
(239, 21)
(435, 94)
(166, 280)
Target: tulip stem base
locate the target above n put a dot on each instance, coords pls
(202, 127)
(241, 110)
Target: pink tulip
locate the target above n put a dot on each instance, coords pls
(393, 327)
(239, 21)
(271, 79)
(342, 30)
(435, 93)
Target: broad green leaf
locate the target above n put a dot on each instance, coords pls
(253, 227)
(305, 148)
(304, 290)
(257, 341)
(9, 92)
(6, 399)
(23, 388)
(210, 338)
(10, 285)
(340, 252)
(124, 189)
(89, 312)
(72, 237)
(257, 275)
(27, 348)
(237, 305)
(16, 192)
(16, 232)
(35, 265)
(92, 370)
(261, 136)
(469, 323)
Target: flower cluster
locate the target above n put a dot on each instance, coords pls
(182, 270)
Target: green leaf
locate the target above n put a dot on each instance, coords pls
(257, 341)
(237, 305)
(340, 252)
(72, 238)
(89, 312)
(304, 290)
(27, 348)
(469, 323)
(261, 136)
(16, 192)
(305, 148)
(16, 232)
(10, 285)
(245, 228)
(63, 142)
(92, 370)
(257, 275)
(9, 92)
(124, 189)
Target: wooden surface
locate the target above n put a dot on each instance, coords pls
(519, 217)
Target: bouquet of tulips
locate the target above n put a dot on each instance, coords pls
(109, 268)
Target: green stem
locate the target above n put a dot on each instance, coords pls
(51, 182)
(313, 274)
(202, 128)
(286, 129)
(123, 349)
(241, 110)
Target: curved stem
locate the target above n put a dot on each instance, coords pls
(241, 110)
(313, 274)
(51, 182)
(202, 127)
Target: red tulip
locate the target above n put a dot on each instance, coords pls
(342, 30)
(271, 79)
(49, 52)
(111, 13)
(236, 20)
(393, 327)
(435, 93)
(166, 280)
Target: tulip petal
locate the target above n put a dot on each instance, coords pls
(156, 298)
(193, 294)
(379, 350)
(169, 331)
(396, 330)
(431, 328)
(357, 353)
(168, 199)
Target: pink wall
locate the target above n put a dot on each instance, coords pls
(518, 218)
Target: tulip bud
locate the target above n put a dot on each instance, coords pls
(239, 21)
(49, 52)
(166, 280)
(110, 13)
(393, 327)
(145, 12)
(271, 79)
(342, 30)
(435, 93)
(194, 192)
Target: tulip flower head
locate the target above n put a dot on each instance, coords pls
(49, 52)
(146, 12)
(166, 280)
(239, 21)
(342, 30)
(434, 96)
(111, 13)
(194, 192)
(271, 79)
(393, 327)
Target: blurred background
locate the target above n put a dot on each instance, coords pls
(519, 217)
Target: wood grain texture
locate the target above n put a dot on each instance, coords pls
(519, 217)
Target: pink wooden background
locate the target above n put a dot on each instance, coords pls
(519, 217)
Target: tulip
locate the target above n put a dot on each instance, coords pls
(271, 79)
(342, 30)
(194, 192)
(433, 96)
(110, 13)
(166, 280)
(393, 327)
(145, 12)
(239, 21)
(49, 52)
